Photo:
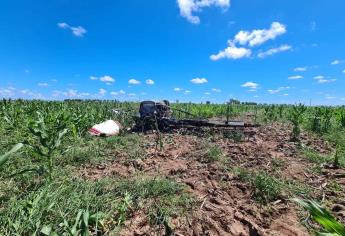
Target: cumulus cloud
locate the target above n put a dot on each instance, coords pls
(121, 92)
(294, 77)
(319, 77)
(178, 89)
(259, 36)
(231, 52)
(251, 85)
(199, 80)
(102, 92)
(272, 51)
(207, 93)
(6, 93)
(300, 69)
(274, 91)
(325, 81)
(322, 79)
(251, 39)
(106, 78)
(134, 81)
(187, 92)
(188, 7)
(78, 31)
(150, 82)
(336, 62)
(344, 71)
(216, 90)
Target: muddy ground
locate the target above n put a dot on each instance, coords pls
(225, 204)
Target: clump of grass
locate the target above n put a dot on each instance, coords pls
(210, 152)
(233, 135)
(267, 188)
(161, 198)
(277, 163)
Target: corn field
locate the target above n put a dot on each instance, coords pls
(45, 148)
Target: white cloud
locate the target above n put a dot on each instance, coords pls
(187, 92)
(207, 93)
(259, 36)
(150, 82)
(294, 77)
(344, 71)
(102, 92)
(27, 71)
(272, 51)
(319, 77)
(72, 93)
(322, 79)
(107, 79)
(251, 39)
(121, 92)
(5, 93)
(231, 52)
(43, 84)
(178, 89)
(24, 91)
(274, 91)
(187, 7)
(216, 90)
(325, 81)
(251, 85)
(63, 25)
(78, 31)
(336, 62)
(134, 81)
(199, 80)
(300, 69)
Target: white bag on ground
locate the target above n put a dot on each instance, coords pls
(107, 128)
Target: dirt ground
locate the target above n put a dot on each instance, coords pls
(225, 203)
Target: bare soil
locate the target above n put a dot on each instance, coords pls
(225, 205)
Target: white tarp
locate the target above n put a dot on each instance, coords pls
(107, 128)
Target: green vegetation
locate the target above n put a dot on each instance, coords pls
(43, 192)
(320, 215)
(267, 188)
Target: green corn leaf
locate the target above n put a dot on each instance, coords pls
(6, 156)
(323, 217)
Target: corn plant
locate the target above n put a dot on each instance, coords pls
(48, 131)
(327, 116)
(330, 225)
(316, 121)
(340, 116)
(296, 116)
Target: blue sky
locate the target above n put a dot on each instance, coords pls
(188, 50)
